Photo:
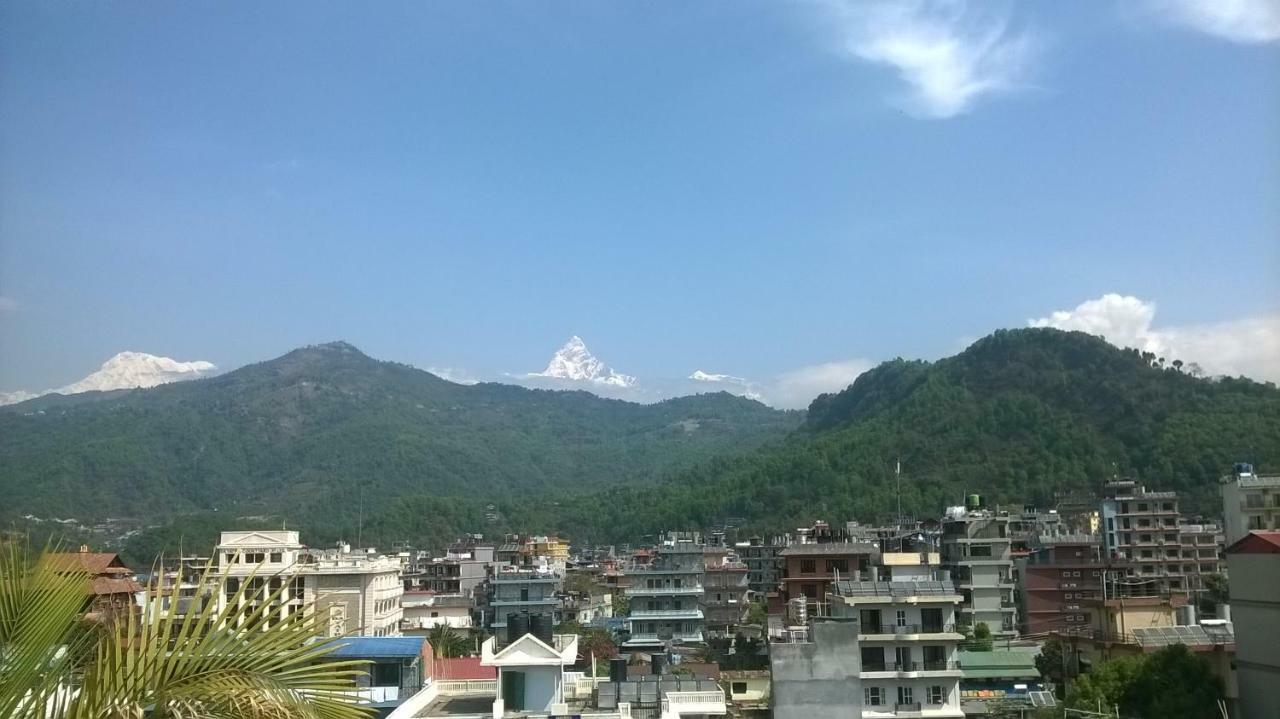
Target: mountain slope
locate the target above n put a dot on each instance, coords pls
(324, 428)
(1017, 416)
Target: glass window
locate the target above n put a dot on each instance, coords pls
(738, 688)
(937, 695)
(277, 557)
(386, 675)
(808, 566)
(905, 695)
(873, 696)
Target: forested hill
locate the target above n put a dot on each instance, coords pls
(312, 434)
(1017, 416)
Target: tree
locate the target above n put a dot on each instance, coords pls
(1049, 662)
(446, 642)
(152, 662)
(1171, 682)
(978, 639)
(758, 614)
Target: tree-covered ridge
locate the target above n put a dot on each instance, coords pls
(1018, 416)
(324, 428)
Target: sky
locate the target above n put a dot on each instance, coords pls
(785, 192)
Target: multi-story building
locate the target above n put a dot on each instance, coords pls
(1250, 502)
(976, 550)
(1141, 526)
(356, 592)
(1255, 608)
(521, 591)
(1062, 573)
(1202, 551)
(907, 644)
(463, 568)
(810, 568)
(424, 610)
(724, 591)
(664, 600)
(111, 583)
(815, 674)
(351, 592)
(764, 566)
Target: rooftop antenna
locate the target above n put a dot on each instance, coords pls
(897, 478)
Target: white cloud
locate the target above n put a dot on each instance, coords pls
(797, 388)
(729, 383)
(452, 374)
(949, 52)
(7, 305)
(1249, 346)
(1243, 21)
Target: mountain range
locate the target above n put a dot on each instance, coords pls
(126, 370)
(337, 443)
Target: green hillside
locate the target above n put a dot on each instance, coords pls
(315, 433)
(1017, 416)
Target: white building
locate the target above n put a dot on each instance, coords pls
(1254, 570)
(1250, 502)
(976, 549)
(424, 611)
(352, 592)
(907, 639)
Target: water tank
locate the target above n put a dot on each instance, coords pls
(517, 626)
(973, 501)
(540, 626)
(617, 670)
(1187, 615)
(658, 664)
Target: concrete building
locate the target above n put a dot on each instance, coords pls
(1141, 526)
(1058, 577)
(764, 566)
(907, 644)
(724, 592)
(665, 599)
(460, 571)
(1250, 502)
(531, 672)
(817, 675)
(1254, 570)
(976, 551)
(352, 592)
(424, 611)
(519, 591)
(810, 567)
(396, 668)
(1203, 553)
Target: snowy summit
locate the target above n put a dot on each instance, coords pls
(127, 370)
(574, 361)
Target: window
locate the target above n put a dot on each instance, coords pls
(738, 688)
(435, 614)
(980, 550)
(386, 675)
(937, 695)
(870, 619)
(873, 696)
(277, 557)
(872, 659)
(901, 618)
(233, 586)
(1066, 574)
(231, 557)
(808, 566)
(838, 565)
(905, 695)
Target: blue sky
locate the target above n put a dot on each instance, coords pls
(764, 189)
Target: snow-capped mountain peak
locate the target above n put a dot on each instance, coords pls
(574, 361)
(126, 370)
(138, 369)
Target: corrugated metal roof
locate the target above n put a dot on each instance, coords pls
(828, 548)
(894, 589)
(371, 647)
(1191, 636)
(997, 664)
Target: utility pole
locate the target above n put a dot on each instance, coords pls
(897, 478)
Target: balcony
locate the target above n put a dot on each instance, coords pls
(642, 591)
(666, 614)
(682, 703)
(647, 638)
(898, 630)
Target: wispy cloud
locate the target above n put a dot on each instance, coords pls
(1248, 346)
(797, 388)
(951, 53)
(1242, 21)
(453, 374)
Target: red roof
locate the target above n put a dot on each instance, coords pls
(96, 563)
(1257, 543)
(108, 585)
(461, 668)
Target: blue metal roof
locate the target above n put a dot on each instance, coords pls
(374, 647)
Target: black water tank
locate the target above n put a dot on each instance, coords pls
(658, 664)
(540, 625)
(617, 670)
(517, 626)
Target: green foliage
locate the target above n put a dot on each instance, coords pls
(447, 642)
(977, 639)
(1171, 682)
(758, 614)
(1050, 663)
(152, 662)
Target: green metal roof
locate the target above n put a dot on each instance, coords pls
(997, 664)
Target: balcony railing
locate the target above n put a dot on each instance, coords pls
(695, 589)
(907, 707)
(911, 629)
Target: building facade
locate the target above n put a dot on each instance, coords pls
(724, 592)
(1060, 576)
(976, 551)
(664, 600)
(1141, 527)
(817, 675)
(521, 591)
(810, 567)
(907, 644)
(1254, 562)
(1250, 502)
